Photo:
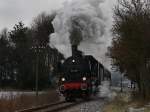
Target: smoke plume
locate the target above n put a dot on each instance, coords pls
(85, 23)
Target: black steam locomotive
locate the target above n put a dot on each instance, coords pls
(80, 75)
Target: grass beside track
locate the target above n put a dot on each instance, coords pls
(124, 101)
(23, 101)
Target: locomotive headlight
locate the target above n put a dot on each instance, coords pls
(84, 78)
(63, 79)
(73, 60)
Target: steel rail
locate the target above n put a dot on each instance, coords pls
(40, 107)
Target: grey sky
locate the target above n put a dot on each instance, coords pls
(13, 11)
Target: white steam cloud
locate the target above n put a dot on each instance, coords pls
(94, 19)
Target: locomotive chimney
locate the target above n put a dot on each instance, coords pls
(74, 50)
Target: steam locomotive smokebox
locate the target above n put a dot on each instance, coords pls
(75, 51)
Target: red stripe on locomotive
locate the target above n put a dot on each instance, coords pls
(74, 85)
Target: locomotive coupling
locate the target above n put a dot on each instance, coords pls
(83, 86)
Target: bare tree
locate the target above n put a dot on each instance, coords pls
(42, 27)
(130, 46)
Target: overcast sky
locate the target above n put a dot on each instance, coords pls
(13, 11)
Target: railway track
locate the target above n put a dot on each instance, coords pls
(55, 107)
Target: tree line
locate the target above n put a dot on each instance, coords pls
(25, 51)
(131, 42)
